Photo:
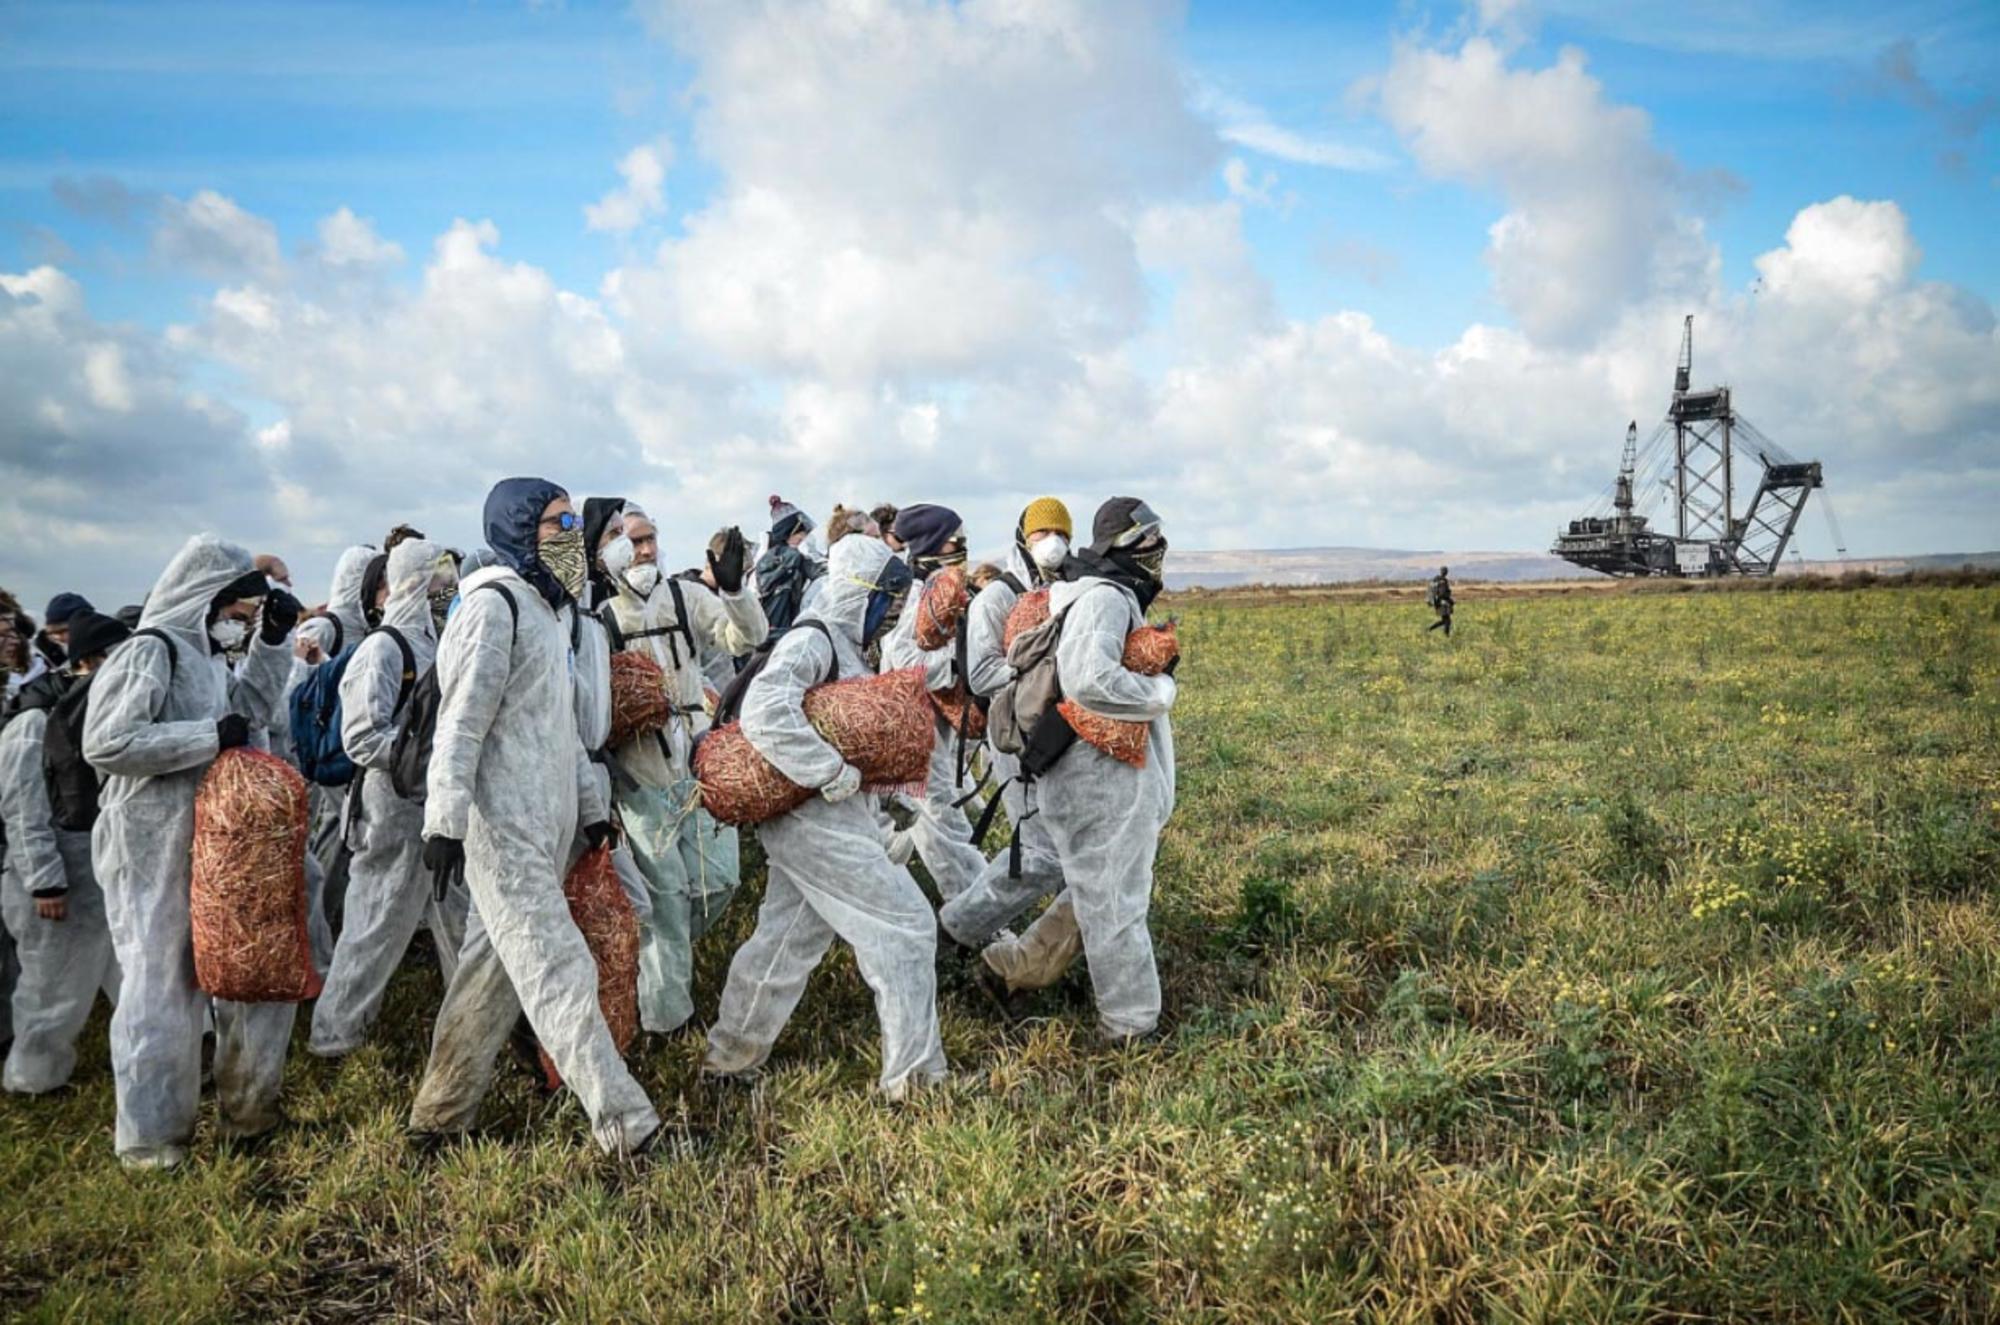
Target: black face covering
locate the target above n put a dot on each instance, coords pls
(1121, 566)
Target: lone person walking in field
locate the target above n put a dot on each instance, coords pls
(1440, 601)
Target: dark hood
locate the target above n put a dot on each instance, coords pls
(1117, 520)
(513, 523)
(597, 513)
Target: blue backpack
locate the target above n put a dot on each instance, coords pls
(316, 715)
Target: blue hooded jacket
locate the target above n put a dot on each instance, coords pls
(513, 530)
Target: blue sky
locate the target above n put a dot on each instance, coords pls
(415, 115)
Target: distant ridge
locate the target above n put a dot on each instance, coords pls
(1340, 565)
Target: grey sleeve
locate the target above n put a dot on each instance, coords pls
(32, 852)
(121, 735)
(985, 655)
(368, 691)
(475, 660)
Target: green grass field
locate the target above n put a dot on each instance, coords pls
(1629, 956)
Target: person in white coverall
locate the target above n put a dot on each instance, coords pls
(318, 640)
(934, 541)
(160, 711)
(829, 874)
(48, 892)
(1017, 877)
(509, 782)
(388, 890)
(1104, 815)
(689, 861)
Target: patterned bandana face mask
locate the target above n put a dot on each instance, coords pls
(562, 554)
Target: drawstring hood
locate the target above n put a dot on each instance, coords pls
(513, 518)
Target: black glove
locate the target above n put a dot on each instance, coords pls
(281, 613)
(728, 568)
(599, 834)
(444, 857)
(231, 730)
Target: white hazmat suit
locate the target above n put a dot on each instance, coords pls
(941, 833)
(388, 890)
(328, 857)
(689, 861)
(1105, 816)
(151, 730)
(63, 962)
(507, 776)
(996, 896)
(829, 875)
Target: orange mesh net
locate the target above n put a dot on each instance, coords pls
(602, 911)
(639, 703)
(1149, 650)
(883, 725)
(939, 609)
(247, 903)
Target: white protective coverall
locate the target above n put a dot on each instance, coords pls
(151, 731)
(995, 897)
(941, 833)
(1105, 816)
(328, 857)
(388, 890)
(689, 861)
(63, 962)
(829, 875)
(592, 695)
(509, 778)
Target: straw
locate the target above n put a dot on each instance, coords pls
(943, 602)
(882, 725)
(247, 901)
(603, 913)
(639, 703)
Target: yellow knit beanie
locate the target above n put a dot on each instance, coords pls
(1046, 513)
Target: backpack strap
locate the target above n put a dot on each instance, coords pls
(173, 650)
(619, 638)
(339, 636)
(820, 626)
(681, 620)
(1007, 578)
(409, 681)
(513, 607)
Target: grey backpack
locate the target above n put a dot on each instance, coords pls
(1020, 705)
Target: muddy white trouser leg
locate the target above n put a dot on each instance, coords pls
(388, 892)
(942, 834)
(63, 964)
(250, 1044)
(830, 876)
(1040, 957)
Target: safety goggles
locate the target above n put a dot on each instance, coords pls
(1145, 526)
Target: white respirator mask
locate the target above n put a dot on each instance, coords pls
(643, 579)
(1049, 552)
(229, 634)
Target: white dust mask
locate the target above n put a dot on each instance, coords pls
(229, 634)
(643, 579)
(1050, 551)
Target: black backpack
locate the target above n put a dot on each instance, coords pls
(73, 784)
(410, 757)
(730, 706)
(619, 639)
